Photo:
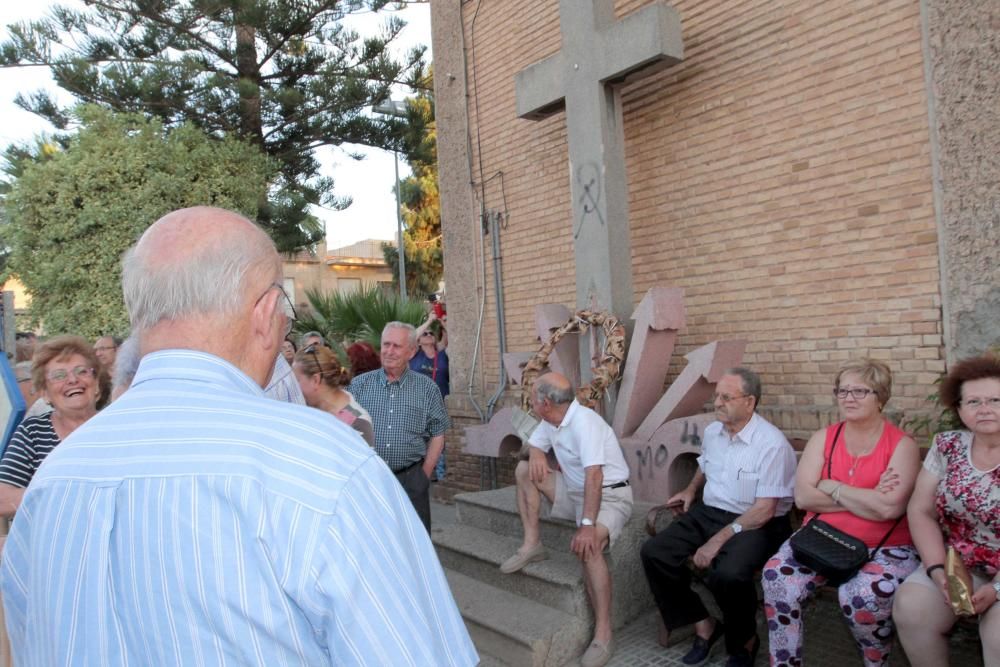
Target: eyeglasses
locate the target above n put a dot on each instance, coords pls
(726, 398)
(976, 403)
(290, 313)
(80, 372)
(105, 348)
(858, 394)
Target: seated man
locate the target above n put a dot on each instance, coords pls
(592, 489)
(747, 469)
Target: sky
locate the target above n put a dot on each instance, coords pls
(369, 182)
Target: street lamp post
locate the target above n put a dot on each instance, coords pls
(398, 109)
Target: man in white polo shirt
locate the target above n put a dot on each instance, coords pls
(592, 489)
(747, 469)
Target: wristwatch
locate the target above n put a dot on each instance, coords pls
(586, 522)
(996, 587)
(737, 528)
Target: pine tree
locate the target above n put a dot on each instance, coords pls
(283, 75)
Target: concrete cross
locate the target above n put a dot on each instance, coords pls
(598, 55)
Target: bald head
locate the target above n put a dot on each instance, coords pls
(554, 387)
(552, 397)
(199, 261)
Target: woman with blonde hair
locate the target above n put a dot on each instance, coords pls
(856, 476)
(323, 379)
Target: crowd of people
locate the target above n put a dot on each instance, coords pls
(859, 479)
(235, 494)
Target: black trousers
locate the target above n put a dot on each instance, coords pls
(730, 577)
(418, 490)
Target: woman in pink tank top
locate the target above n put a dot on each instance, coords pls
(862, 489)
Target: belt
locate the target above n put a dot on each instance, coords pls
(408, 468)
(618, 485)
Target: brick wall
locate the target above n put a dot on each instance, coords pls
(781, 175)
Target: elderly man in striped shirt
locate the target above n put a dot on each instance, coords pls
(747, 469)
(197, 522)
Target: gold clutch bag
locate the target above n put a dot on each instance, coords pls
(959, 584)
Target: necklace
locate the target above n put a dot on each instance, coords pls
(854, 464)
(856, 458)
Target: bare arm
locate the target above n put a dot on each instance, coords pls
(925, 530)
(10, 499)
(923, 520)
(586, 542)
(812, 466)
(686, 495)
(876, 504)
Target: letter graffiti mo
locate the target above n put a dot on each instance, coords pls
(650, 461)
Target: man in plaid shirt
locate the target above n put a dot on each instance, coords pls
(408, 415)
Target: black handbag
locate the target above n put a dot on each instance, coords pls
(830, 551)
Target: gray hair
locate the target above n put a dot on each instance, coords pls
(411, 331)
(127, 362)
(751, 382)
(210, 280)
(556, 395)
(313, 334)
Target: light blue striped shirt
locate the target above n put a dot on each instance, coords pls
(196, 522)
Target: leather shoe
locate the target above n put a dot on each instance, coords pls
(519, 560)
(597, 654)
(745, 658)
(702, 649)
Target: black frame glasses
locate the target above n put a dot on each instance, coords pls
(857, 393)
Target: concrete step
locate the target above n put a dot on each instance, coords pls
(556, 582)
(511, 630)
(496, 511)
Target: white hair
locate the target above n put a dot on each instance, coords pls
(210, 279)
(411, 331)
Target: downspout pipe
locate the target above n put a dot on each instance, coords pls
(495, 219)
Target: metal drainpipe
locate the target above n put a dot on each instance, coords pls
(501, 329)
(486, 474)
(479, 329)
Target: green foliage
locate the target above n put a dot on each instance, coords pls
(72, 213)
(359, 315)
(421, 203)
(285, 75)
(932, 423)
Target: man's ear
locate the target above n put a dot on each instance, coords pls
(264, 320)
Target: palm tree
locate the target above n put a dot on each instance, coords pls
(361, 315)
